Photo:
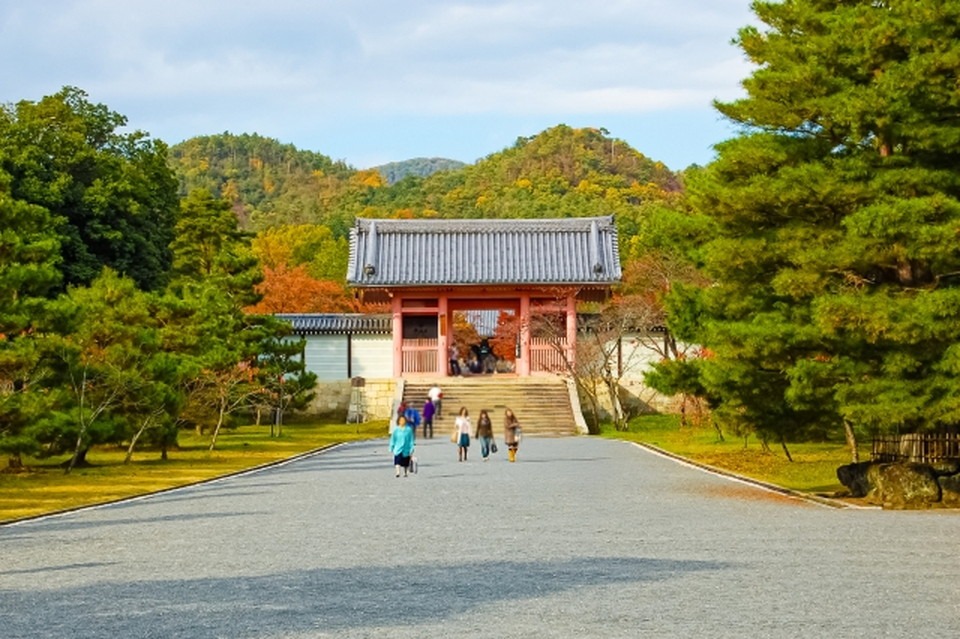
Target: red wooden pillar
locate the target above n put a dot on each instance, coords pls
(396, 304)
(444, 334)
(571, 328)
(523, 362)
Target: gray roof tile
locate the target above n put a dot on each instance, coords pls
(582, 251)
(337, 323)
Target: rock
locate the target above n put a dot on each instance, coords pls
(907, 485)
(854, 477)
(950, 490)
(945, 468)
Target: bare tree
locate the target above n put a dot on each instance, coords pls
(599, 361)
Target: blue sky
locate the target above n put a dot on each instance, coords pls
(375, 81)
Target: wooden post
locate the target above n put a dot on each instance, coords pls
(523, 362)
(397, 308)
(444, 334)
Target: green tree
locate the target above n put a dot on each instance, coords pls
(114, 191)
(101, 341)
(29, 257)
(835, 292)
(286, 383)
(209, 247)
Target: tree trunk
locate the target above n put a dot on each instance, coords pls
(716, 427)
(216, 429)
(783, 445)
(14, 463)
(133, 440)
(851, 437)
(77, 460)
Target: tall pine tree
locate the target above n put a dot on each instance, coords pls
(835, 261)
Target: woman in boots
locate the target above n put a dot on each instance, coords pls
(511, 434)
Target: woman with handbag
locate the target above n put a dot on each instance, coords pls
(402, 445)
(484, 434)
(511, 434)
(462, 430)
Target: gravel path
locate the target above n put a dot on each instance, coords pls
(582, 537)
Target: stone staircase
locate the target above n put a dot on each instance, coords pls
(541, 404)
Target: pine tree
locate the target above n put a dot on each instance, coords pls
(835, 262)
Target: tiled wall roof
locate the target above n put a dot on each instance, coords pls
(337, 323)
(580, 251)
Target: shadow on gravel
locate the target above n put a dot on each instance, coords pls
(63, 525)
(325, 600)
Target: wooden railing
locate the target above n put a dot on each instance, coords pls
(545, 356)
(419, 355)
(922, 448)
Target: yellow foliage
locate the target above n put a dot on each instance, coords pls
(370, 178)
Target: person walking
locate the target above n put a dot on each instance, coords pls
(511, 434)
(412, 416)
(436, 395)
(462, 431)
(428, 412)
(401, 445)
(484, 434)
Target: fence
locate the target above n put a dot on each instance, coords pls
(924, 448)
(544, 356)
(419, 356)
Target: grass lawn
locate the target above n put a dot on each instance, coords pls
(813, 469)
(46, 489)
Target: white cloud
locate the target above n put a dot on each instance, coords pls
(289, 64)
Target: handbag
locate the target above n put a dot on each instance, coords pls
(413, 464)
(493, 446)
(454, 436)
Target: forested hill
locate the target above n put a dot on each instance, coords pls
(562, 172)
(393, 172)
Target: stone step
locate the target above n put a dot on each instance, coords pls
(543, 407)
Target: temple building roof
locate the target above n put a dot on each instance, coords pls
(464, 252)
(338, 323)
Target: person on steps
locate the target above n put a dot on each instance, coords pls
(428, 412)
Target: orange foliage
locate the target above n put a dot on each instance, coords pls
(292, 290)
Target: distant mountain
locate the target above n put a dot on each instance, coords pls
(393, 172)
(561, 172)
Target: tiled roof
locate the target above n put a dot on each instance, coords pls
(338, 323)
(581, 251)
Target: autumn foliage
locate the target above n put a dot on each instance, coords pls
(292, 290)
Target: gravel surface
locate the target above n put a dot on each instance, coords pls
(582, 537)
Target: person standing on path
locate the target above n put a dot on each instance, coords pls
(511, 434)
(436, 395)
(484, 434)
(401, 445)
(428, 411)
(462, 431)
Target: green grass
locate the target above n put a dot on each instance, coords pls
(44, 488)
(812, 470)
